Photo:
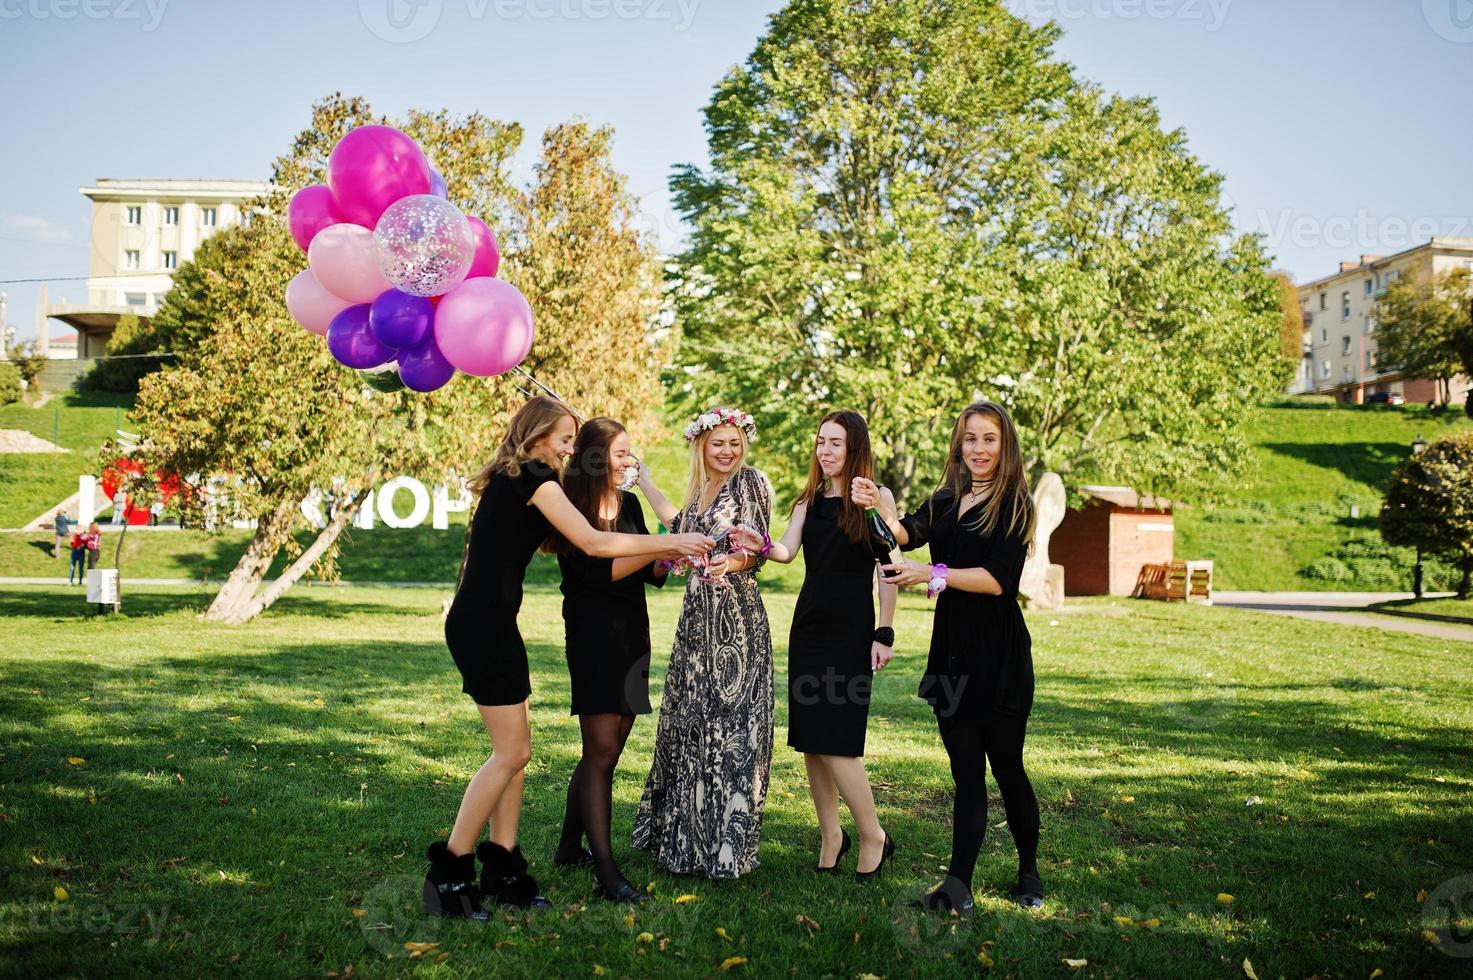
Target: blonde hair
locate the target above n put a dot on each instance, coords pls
(532, 423)
(699, 477)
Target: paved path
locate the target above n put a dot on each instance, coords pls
(41, 580)
(1343, 608)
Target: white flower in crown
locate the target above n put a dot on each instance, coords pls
(721, 416)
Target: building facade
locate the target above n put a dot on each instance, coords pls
(141, 231)
(1340, 324)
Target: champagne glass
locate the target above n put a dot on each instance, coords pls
(719, 528)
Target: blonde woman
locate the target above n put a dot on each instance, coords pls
(521, 502)
(701, 812)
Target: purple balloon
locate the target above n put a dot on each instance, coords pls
(437, 185)
(423, 368)
(399, 319)
(351, 340)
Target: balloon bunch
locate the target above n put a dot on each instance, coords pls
(397, 273)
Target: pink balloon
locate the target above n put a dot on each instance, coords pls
(311, 305)
(311, 209)
(488, 253)
(344, 261)
(371, 168)
(484, 326)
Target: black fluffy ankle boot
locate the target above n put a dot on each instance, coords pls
(450, 887)
(504, 877)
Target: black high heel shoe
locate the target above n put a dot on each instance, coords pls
(563, 860)
(888, 854)
(949, 896)
(843, 849)
(624, 893)
(1029, 892)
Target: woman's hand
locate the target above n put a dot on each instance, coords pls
(686, 545)
(864, 492)
(716, 568)
(747, 539)
(879, 655)
(907, 573)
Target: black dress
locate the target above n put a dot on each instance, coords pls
(481, 629)
(981, 661)
(608, 627)
(829, 669)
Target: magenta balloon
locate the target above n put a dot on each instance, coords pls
(423, 368)
(344, 260)
(488, 253)
(352, 343)
(310, 210)
(371, 168)
(311, 305)
(484, 326)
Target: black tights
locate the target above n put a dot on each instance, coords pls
(591, 793)
(971, 747)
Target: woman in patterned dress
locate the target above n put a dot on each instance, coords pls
(701, 812)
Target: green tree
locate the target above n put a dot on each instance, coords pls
(1429, 504)
(28, 359)
(257, 408)
(911, 203)
(132, 352)
(10, 389)
(1424, 328)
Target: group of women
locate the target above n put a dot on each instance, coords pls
(555, 486)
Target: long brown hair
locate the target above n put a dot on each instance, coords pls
(586, 478)
(858, 461)
(532, 423)
(1009, 482)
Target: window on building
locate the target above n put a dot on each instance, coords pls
(246, 217)
(1322, 301)
(171, 216)
(207, 217)
(137, 299)
(135, 215)
(130, 259)
(171, 260)
(1345, 305)
(1349, 374)
(1370, 322)
(1371, 366)
(1324, 369)
(1344, 344)
(1370, 285)
(1324, 335)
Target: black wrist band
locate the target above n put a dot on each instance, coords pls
(885, 636)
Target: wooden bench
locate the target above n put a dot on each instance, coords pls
(1177, 581)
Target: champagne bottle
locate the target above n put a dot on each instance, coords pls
(882, 540)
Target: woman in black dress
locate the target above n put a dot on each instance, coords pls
(521, 501)
(608, 646)
(833, 647)
(979, 677)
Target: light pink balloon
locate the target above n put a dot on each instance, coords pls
(484, 326)
(310, 210)
(343, 258)
(311, 305)
(488, 252)
(371, 168)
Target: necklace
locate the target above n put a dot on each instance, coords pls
(979, 487)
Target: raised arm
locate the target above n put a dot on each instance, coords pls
(561, 514)
(662, 507)
(784, 551)
(866, 493)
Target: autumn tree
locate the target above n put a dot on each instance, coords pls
(913, 203)
(1429, 504)
(1291, 314)
(1424, 328)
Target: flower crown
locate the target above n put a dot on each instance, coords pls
(721, 416)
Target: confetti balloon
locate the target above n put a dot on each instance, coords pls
(424, 245)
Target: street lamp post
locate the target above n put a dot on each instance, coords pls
(1418, 444)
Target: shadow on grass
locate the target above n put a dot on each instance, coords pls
(1365, 462)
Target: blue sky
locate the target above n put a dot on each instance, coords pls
(1342, 126)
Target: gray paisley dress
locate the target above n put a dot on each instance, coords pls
(701, 812)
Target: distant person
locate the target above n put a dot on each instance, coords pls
(63, 524)
(79, 558)
(93, 538)
(120, 507)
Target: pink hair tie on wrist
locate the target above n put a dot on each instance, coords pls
(766, 545)
(937, 585)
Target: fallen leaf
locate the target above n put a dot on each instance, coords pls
(1127, 799)
(1075, 964)
(360, 912)
(1375, 973)
(984, 959)
(420, 947)
(721, 931)
(1421, 894)
(60, 893)
(645, 937)
(629, 920)
(686, 898)
(1427, 934)
(1369, 895)
(732, 961)
(442, 957)
(75, 760)
(1248, 969)
(598, 971)
(318, 701)
(1252, 801)
(1124, 920)
(1151, 924)
(803, 920)
(1224, 898)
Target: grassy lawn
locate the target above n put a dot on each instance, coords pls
(257, 800)
(1458, 609)
(1290, 525)
(80, 422)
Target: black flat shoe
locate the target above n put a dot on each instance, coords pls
(562, 860)
(843, 849)
(949, 896)
(887, 854)
(1029, 892)
(624, 893)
